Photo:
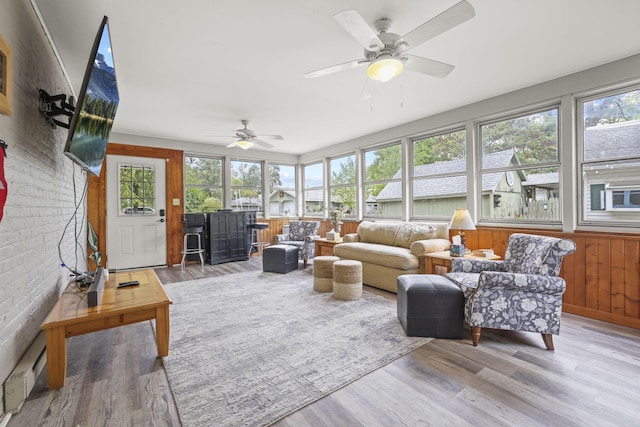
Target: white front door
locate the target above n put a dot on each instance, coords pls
(136, 219)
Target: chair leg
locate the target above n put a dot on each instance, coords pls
(548, 341)
(475, 335)
(304, 265)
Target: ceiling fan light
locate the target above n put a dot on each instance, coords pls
(244, 144)
(385, 69)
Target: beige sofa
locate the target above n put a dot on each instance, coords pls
(389, 249)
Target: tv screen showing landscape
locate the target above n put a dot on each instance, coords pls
(96, 109)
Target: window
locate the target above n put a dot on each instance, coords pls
(246, 186)
(313, 189)
(137, 190)
(609, 143)
(383, 182)
(282, 190)
(520, 168)
(203, 184)
(438, 177)
(342, 186)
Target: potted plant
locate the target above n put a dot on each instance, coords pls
(335, 216)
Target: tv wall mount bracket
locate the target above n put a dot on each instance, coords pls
(52, 106)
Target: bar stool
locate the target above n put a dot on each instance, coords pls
(192, 231)
(257, 230)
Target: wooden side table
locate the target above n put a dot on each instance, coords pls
(443, 259)
(324, 247)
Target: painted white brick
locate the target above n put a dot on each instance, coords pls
(41, 192)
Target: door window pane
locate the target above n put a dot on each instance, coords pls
(137, 188)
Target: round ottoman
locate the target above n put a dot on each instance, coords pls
(347, 280)
(323, 273)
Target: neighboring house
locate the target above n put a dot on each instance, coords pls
(613, 190)
(502, 192)
(282, 203)
(247, 204)
(313, 201)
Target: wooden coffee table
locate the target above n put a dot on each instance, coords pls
(443, 259)
(119, 306)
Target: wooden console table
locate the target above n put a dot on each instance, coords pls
(119, 306)
(324, 247)
(443, 259)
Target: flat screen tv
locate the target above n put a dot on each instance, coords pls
(95, 110)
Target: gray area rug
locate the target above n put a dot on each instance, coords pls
(248, 349)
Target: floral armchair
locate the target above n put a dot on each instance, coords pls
(301, 234)
(521, 293)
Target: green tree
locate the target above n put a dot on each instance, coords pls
(534, 137)
(613, 109)
(345, 192)
(439, 148)
(387, 163)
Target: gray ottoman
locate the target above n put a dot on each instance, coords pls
(430, 305)
(280, 258)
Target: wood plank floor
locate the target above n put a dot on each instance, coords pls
(592, 379)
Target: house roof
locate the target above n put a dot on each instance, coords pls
(621, 139)
(450, 185)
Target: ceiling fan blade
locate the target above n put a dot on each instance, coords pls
(233, 144)
(274, 137)
(336, 68)
(428, 66)
(455, 15)
(355, 25)
(261, 143)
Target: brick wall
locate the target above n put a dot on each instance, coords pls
(41, 191)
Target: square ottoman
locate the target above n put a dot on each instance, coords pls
(429, 305)
(280, 258)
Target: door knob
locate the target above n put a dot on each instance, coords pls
(161, 220)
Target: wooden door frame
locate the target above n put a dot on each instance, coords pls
(97, 197)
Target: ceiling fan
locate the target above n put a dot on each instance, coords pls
(385, 52)
(247, 138)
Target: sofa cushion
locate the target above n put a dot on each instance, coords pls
(400, 234)
(373, 253)
(408, 233)
(377, 232)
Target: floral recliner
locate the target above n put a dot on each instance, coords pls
(521, 293)
(301, 234)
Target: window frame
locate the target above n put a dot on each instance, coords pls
(220, 187)
(519, 169)
(365, 183)
(305, 189)
(413, 178)
(582, 165)
(293, 189)
(259, 188)
(354, 214)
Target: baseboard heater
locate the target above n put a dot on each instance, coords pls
(21, 381)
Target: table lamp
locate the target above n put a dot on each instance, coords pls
(461, 221)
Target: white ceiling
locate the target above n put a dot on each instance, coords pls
(188, 70)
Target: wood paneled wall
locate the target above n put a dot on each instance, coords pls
(97, 193)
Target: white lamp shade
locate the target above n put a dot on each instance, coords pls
(461, 220)
(384, 69)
